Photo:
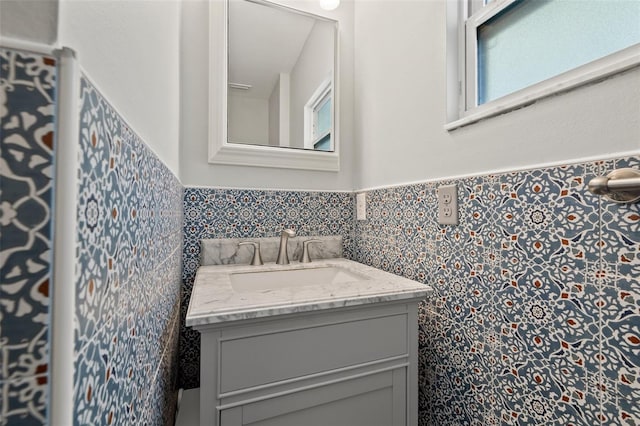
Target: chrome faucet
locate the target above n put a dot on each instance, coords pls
(305, 250)
(257, 259)
(283, 255)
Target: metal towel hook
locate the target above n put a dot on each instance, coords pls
(619, 186)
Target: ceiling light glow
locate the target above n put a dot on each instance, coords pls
(329, 4)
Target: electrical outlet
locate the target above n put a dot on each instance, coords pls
(361, 206)
(448, 205)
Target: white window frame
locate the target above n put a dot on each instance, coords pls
(463, 19)
(321, 95)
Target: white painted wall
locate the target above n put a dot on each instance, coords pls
(248, 120)
(284, 112)
(195, 170)
(130, 50)
(312, 68)
(274, 115)
(34, 20)
(401, 108)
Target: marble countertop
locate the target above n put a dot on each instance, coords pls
(214, 300)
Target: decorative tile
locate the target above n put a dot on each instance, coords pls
(94, 380)
(619, 303)
(620, 236)
(27, 126)
(534, 317)
(618, 275)
(130, 219)
(547, 214)
(24, 401)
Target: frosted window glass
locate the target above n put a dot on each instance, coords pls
(323, 144)
(324, 117)
(534, 40)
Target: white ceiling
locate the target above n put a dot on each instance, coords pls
(263, 42)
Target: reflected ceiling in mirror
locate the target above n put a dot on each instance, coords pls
(280, 84)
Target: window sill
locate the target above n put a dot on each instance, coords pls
(589, 73)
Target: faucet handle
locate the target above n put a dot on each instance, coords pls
(288, 233)
(257, 259)
(305, 250)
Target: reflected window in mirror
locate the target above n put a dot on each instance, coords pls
(317, 119)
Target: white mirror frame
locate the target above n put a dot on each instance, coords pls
(223, 152)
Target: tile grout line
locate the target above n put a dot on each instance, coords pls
(104, 326)
(600, 267)
(173, 328)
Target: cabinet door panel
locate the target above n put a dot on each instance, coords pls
(306, 351)
(365, 401)
(369, 409)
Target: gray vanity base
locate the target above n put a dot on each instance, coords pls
(336, 367)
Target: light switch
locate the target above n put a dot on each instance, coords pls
(361, 206)
(448, 205)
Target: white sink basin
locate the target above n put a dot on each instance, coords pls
(271, 280)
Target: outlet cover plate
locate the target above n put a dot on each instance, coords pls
(361, 206)
(448, 205)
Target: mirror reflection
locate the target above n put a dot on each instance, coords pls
(280, 77)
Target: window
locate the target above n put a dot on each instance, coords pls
(518, 51)
(317, 119)
(322, 124)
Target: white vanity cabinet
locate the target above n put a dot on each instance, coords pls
(337, 367)
(278, 348)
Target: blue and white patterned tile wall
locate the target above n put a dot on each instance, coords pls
(235, 213)
(535, 317)
(27, 108)
(129, 274)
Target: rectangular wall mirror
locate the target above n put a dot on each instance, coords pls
(274, 91)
